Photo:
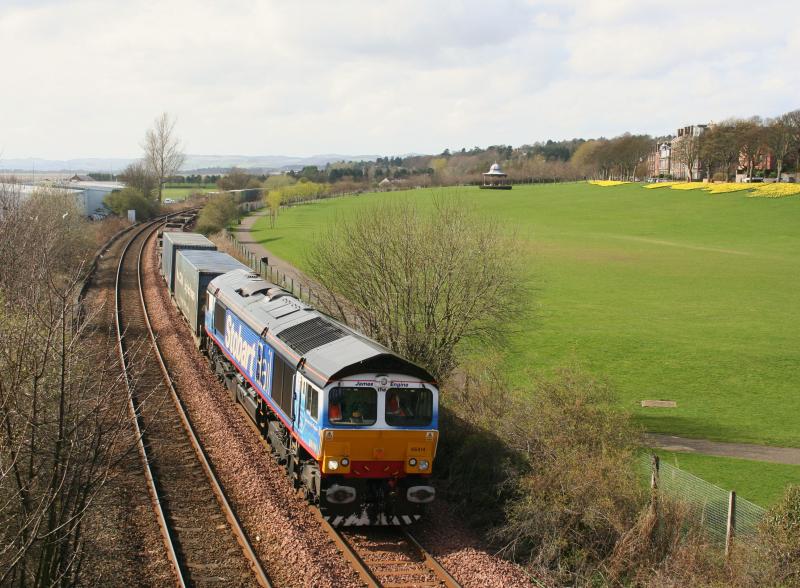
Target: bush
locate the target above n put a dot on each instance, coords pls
(581, 494)
(421, 281)
(220, 211)
(121, 201)
(780, 535)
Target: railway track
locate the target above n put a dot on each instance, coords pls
(390, 557)
(385, 557)
(204, 541)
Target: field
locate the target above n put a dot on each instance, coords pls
(758, 482)
(668, 294)
(181, 191)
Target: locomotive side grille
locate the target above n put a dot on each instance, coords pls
(310, 335)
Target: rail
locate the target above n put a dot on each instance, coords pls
(173, 553)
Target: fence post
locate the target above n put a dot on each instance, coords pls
(655, 462)
(731, 530)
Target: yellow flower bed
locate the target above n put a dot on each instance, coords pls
(726, 187)
(660, 185)
(605, 183)
(688, 186)
(774, 190)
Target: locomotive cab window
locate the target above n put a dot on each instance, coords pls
(312, 401)
(219, 317)
(409, 407)
(353, 406)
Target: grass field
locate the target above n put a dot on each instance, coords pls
(758, 482)
(676, 295)
(181, 191)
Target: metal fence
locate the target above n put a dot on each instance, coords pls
(724, 515)
(261, 266)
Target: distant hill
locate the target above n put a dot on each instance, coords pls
(207, 163)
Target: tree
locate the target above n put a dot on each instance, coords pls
(62, 404)
(162, 150)
(121, 201)
(274, 199)
(720, 148)
(780, 140)
(792, 120)
(138, 175)
(220, 211)
(686, 153)
(278, 181)
(751, 138)
(236, 179)
(420, 283)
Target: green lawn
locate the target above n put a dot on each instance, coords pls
(668, 294)
(759, 482)
(181, 191)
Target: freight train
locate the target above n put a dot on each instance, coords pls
(354, 424)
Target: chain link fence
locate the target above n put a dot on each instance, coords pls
(724, 515)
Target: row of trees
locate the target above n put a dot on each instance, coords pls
(741, 144)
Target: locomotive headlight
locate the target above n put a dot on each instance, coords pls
(423, 464)
(333, 464)
(345, 462)
(412, 462)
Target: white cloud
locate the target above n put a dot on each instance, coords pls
(86, 77)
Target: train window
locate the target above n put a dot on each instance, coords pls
(219, 317)
(353, 406)
(312, 401)
(409, 407)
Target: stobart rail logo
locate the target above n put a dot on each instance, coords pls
(241, 350)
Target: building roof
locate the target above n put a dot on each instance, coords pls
(495, 170)
(92, 185)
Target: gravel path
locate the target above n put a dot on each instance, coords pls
(785, 455)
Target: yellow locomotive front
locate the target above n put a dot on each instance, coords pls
(378, 442)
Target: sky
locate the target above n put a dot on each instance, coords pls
(86, 78)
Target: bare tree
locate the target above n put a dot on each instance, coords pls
(780, 140)
(686, 153)
(138, 175)
(420, 283)
(162, 150)
(61, 400)
(792, 121)
(751, 138)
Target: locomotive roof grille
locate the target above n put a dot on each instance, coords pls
(310, 334)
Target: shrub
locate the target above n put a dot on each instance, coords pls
(780, 534)
(421, 281)
(581, 493)
(121, 201)
(220, 211)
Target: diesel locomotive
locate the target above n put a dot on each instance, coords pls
(354, 424)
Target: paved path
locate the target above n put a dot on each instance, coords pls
(785, 455)
(243, 234)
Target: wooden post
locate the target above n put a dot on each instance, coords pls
(655, 462)
(731, 530)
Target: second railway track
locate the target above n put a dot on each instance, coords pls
(201, 533)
